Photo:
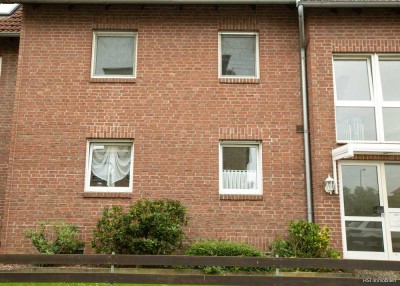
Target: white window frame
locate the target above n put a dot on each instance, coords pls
(258, 145)
(89, 148)
(127, 34)
(376, 100)
(257, 61)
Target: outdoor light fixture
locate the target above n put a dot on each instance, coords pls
(329, 185)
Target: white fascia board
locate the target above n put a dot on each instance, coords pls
(349, 150)
(342, 152)
(8, 9)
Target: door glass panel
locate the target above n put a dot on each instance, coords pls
(392, 172)
(355, 123)
(360, 190)
(391, 119)
(364, 236)
(390, 78)
(395, 241)
(352, 80)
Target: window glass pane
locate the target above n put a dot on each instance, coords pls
(360, 190)
(395, 241)
(352, 80)
(238, 55)
(391, 126)
(239, 167)
(392, 172)
(114, 55)
(110, 166)
(364, 236)
(355, 123)
(390, 78)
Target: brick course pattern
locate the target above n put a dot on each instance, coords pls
(176, 111)
(11, 24)
(329, 32)
(9, 59)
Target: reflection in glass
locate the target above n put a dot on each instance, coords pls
(238, 55)
(352, 80)
(392, 172)
(364, 236)
(360, 190)
(391, 119)
(395, 241)
(390, 78)
(115, 55)
(355, 123)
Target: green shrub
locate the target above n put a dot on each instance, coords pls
(56, 238)
(224, 248)
(147, 227)
(305, 240)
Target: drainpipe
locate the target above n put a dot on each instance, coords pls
(305, 113)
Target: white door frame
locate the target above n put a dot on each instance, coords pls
(387, 254)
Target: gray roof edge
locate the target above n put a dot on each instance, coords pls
(350, 4)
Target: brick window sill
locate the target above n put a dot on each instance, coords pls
(107, 195)
(114, 80)
(241, 197)
(239, 80)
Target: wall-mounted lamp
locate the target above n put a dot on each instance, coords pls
(329, 185)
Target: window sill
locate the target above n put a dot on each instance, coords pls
(241, 197)
(240, 80)
(114, 80)
(107, 195)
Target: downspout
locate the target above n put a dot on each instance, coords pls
(305, 113)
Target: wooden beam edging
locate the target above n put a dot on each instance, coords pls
(180, 260)
(177, 279)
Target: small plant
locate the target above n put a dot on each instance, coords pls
(305, 240)
(224, 248)
(147, 227)
(56, 238)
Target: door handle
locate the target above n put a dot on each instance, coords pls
(379, 209)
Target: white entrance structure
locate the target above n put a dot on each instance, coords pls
(369, 201)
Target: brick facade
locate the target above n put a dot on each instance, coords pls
(177, 111)
(9, 60)
(339, 31)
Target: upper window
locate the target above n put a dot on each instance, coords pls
(109, 166)
(240, 168)
(367, 98)
(238, 55)
(114, 54)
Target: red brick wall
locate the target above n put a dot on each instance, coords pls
(338, 31)
(9, 55)
(176, 111)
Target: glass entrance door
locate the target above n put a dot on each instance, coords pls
(392, 186)
(362, 204)
(370, 208)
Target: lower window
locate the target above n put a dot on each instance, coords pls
(240, 168)
(109, 166)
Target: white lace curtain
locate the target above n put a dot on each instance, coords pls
(111, 163)
(242, 179)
